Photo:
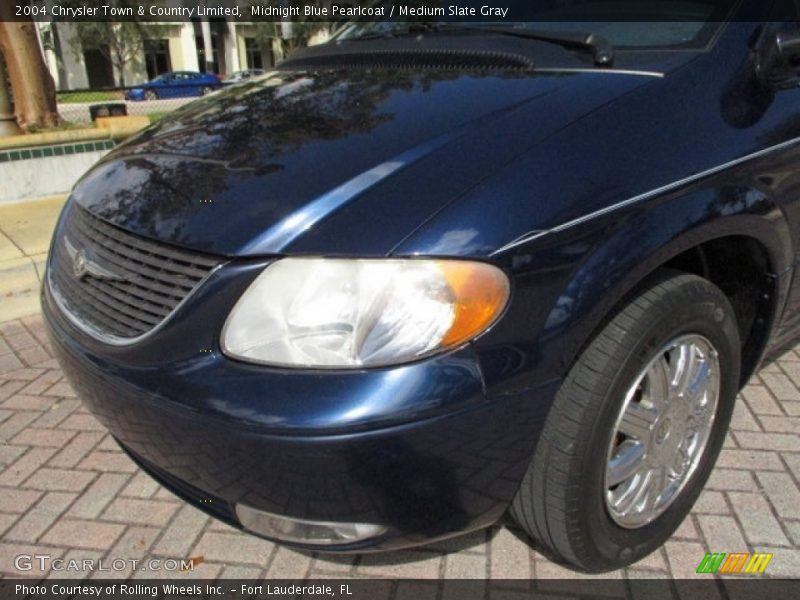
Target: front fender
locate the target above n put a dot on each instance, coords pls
(568, 282)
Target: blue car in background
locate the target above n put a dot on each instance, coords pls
(175, 84)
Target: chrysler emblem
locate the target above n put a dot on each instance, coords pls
(79, 264)
(84, 264)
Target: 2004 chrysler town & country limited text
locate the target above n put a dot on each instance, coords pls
(423, 274)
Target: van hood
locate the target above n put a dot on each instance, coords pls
(331, 162)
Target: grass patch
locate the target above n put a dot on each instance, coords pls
(73, 97)
(156, 116)
(64, 126)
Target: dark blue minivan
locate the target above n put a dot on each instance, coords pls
(428, 273)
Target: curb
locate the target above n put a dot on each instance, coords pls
(26, 226)
(115, 128)
(24, 241)
(120, 128)
(53, 137)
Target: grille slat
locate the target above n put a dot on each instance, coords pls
(121, 254)
(150, 296)
(146, 257)
(130, 286)
(145, 311)
(113, 258)
(142, 245)
(107, 315)
(116, 310)
(156, 282)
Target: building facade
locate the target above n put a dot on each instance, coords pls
(213, 45)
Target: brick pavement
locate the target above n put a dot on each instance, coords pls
(66, 490)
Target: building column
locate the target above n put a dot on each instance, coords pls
(205, 28)
(188, 48)
(232, 49)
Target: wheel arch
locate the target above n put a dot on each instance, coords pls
(745, 252)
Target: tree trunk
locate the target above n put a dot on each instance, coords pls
(33, 87)
(119, 65)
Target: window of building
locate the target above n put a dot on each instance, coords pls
(156, 57)
(252, 48)
(99, 71)
(202, 61)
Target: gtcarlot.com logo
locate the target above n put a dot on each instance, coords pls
(43, 562)
(734, 563)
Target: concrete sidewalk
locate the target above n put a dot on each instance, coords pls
(25, 231)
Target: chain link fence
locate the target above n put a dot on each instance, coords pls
(79, 107)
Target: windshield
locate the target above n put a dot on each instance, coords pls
(658, 24)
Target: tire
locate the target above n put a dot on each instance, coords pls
(568, 501)
(150, 95)
(205, 90)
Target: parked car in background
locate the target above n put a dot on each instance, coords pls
(420, 276)
(174, 85)
(241, 76)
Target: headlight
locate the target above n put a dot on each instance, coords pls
(350, 313)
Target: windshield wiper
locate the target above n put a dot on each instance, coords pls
(600, 48)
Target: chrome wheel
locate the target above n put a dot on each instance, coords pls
(661, 431)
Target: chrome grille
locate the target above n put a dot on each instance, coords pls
(116, 285)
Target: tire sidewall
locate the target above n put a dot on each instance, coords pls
(712, 318)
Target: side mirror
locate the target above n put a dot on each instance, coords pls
(779, 61)
(788, 48)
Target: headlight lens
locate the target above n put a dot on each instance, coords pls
(350, 313)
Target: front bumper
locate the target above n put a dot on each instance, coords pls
(135, 94)
(417, 449)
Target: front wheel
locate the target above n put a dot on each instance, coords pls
(150, 95)
(635, 429)
(205, 90)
